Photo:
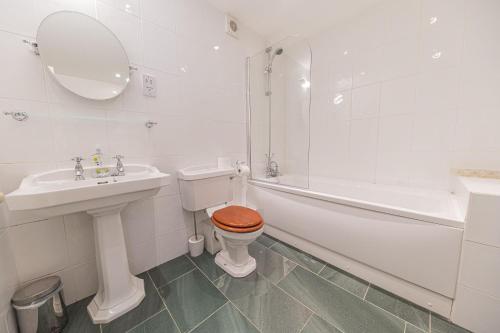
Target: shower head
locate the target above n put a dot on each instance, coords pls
(276, 53)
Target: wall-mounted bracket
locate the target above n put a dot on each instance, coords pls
(132, 69)
(33, 45)
(16, 115)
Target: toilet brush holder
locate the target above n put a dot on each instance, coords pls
(196, 245)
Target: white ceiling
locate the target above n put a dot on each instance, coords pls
(274, 19)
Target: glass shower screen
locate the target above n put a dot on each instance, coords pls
(279, 96)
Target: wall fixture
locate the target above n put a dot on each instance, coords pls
(150, 124)
(19, 116)
(82, 54)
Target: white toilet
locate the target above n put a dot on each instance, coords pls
(203, 188)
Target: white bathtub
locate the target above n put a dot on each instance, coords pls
(403, 239)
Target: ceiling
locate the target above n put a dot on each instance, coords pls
(274, 19)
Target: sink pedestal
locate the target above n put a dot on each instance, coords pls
(119, 291)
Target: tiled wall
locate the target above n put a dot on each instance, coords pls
(406, 91)
(200, 110)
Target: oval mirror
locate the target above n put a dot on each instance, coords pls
(83, 55)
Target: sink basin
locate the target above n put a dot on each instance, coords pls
(56, 193)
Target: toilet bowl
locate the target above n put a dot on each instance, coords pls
(210, 188)
(237, 227)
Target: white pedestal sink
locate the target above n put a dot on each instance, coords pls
(56, 193)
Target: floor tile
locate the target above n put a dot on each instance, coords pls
(170, 270)
(440, 325)
(400, 307)
(412, 329)
(266, 240)
(160, 323)
(345, 280)
(191, 298)
(78, 318)
(344, 310)
(206, 263)
(318, 325)
(226, 320)
(268, 307)
(269, 263)
(301, 258)
(151, 305)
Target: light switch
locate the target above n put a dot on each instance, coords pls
(148, 85)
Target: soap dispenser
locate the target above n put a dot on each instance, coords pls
(100, 170)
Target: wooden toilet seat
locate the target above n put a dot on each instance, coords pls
(237, 219)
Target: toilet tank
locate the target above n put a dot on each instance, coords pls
(204, 187)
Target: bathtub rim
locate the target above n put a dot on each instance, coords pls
(346, 201)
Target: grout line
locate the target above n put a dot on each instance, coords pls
(213, 283)
(307, 321)
(164, 304)
(177, 278)
(145, 320)
(314, 312)
(210, 315)
(366, 292)
(406, 325)
(321, 270)
(388, 312)
(317, 274)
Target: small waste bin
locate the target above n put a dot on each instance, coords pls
(40, 306)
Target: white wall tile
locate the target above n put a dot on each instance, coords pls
(365, 101)
(160, 12)
(434, 132)
(8, 278)
(139, 221)
(395, 133)
(475, 310)
(142, 256)
(437, 91)
(170, 217)
(483, 215)
(160, 48)
(129, 6)
(128, 134)
(80, 238)
(127, 28)
(171, 245)
(23, 77)
(398, 96)
(78, 131)
(18, 17)
(480, 268)
(39, 248)
(29, 141)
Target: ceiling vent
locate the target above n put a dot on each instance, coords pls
(232, 26)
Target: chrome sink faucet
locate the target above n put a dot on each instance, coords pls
(78, 168)
(120, 169)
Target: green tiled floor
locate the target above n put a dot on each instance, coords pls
(291, 291)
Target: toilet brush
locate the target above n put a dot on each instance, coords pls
(195, 226)
(196, 243)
